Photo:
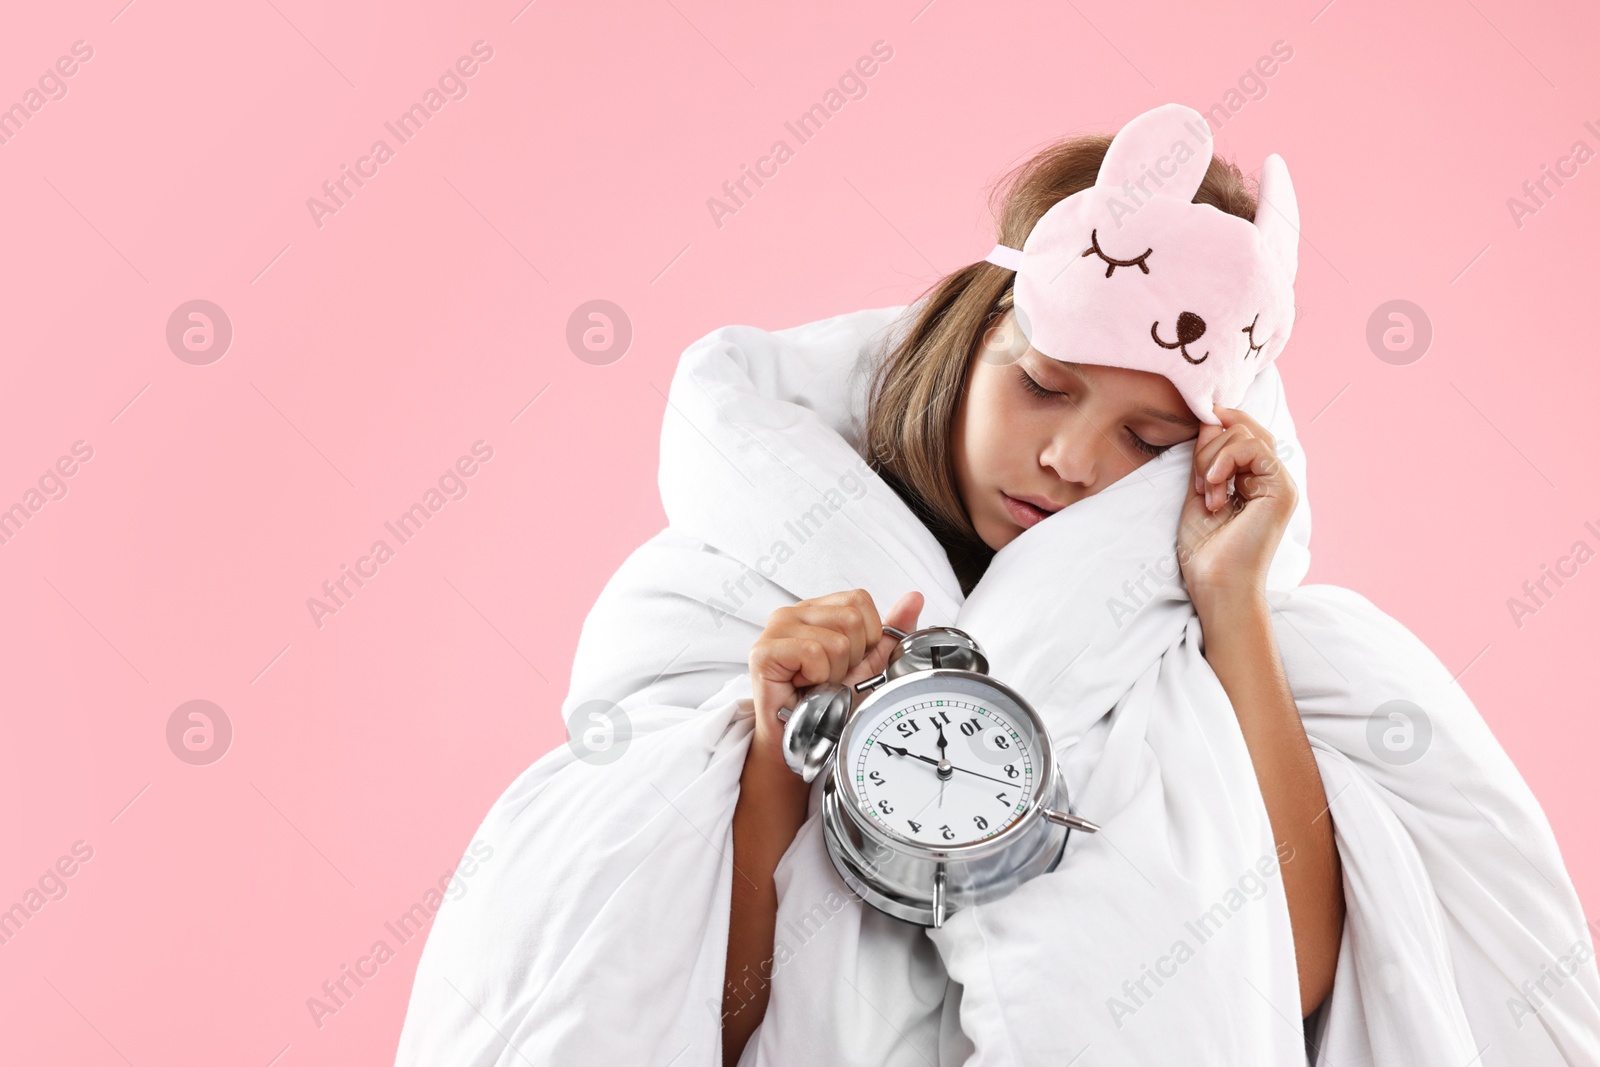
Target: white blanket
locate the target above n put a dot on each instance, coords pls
(597, 933)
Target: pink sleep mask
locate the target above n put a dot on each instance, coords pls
(1130, 272)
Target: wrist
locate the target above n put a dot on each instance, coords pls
(773, 799)
(765, 760)
(1229, 601)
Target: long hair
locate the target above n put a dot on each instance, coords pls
(917, 386)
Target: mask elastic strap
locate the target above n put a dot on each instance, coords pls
(1005, 256)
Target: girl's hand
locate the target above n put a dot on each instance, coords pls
(836, 638)
(1226, 543)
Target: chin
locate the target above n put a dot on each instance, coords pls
(997, 534)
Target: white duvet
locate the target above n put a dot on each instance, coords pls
(597, 935)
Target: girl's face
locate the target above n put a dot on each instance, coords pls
(1020, 456)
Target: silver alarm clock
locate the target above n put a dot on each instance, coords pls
(942, 789)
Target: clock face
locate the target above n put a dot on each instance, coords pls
(942, 761)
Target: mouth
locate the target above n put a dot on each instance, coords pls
(1023, 513)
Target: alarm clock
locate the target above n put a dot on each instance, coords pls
(942, 788)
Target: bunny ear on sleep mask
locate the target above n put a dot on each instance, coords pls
(1130, 272)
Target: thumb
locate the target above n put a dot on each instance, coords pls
(903, 616)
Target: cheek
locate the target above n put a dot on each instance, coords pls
(999, 424)
(989, 438)
(978, 431)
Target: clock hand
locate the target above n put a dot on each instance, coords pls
(942, 741)
(906, 752)
(975, 774)
(930, 759)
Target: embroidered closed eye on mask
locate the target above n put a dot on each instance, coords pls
(1130, 272)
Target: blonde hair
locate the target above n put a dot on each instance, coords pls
(918, 385)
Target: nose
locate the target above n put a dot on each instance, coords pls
(1073, 451)
(1190, 327)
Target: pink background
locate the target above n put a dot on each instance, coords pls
(372, 351)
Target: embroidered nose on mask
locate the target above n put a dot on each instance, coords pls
(1190, 329)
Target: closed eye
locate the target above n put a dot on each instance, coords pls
(1031, 385)
(1095, 249)
(1250, 330)
(1042, 393)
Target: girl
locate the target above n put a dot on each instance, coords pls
(983, 436)
(1137, 295)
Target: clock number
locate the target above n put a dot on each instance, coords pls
(1001, 797)
(1011, 770)
(907, 727)
(947, 833)
(1001, 742)
(937, 716)
(983, 824)
(970, 727)
(916, 827)
(875, 778)
(884, 806)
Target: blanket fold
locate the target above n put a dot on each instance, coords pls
(599, 933)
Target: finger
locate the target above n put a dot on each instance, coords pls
(794, 660)
(1196, 525)
(778, 667)
(1246, 455)
(903, 616)
(1255, 486)
(871, 623)
(1267, 477)
(1243, 456)
(868, 621)
(1205, 455)
(1208, 433)
(840, 649)
(1240, 417)
(1234, 454)
(854, 617)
